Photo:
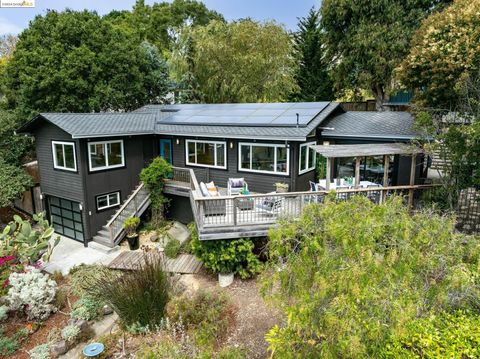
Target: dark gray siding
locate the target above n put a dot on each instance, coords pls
(256, 182)
(138, 152)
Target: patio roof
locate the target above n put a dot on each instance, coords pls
(365, 150)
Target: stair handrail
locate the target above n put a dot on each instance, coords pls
(125, 204)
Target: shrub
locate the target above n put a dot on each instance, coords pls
(455, 335)
(3, 312)
(33, 293)
(70, 333)
(349, 275)
(130, 225)
(86, 308)
(138, 296)
(40, 352)
(8, 265)
(226, 256)
(172, 248)
(8, 346)
(79, 275)
(206, 315)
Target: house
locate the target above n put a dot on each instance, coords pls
(89, 163)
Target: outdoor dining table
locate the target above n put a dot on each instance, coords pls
(322, 184)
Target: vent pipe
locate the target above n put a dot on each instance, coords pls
(297, 119)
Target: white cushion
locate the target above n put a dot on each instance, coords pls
(204, 190)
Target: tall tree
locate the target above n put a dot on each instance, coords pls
(367, 39)
(312, 74)
(78, 62)
(244, 61)
(157, 23)
(445, 50)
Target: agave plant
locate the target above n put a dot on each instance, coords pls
(27, 243)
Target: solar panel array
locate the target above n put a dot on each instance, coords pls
(242, 114)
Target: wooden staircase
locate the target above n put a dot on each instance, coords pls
(112, 233)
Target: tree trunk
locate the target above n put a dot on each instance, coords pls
(379, 97)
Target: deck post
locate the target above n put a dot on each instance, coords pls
(357, 172)
(386, 167)
(329, 173)
(413, 167)
(234, 211)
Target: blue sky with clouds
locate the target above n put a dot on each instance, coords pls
(283, 11)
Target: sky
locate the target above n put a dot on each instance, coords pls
(14, 20)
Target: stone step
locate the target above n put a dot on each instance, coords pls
(102, 247)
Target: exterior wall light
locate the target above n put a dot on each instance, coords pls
(231, 145)
(178, 141)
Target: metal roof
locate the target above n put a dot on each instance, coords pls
(393, 125)
(371, 149)
(259, 121)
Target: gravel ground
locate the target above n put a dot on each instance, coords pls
(253, 317)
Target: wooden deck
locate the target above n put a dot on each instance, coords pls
(183, 264)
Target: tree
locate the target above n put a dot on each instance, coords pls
(14, 182)
(244, 61)
(157, 23)
(312, 74)
(13, 149)
(77, 62)
(351, 275)
(366, 40)
(444, 51)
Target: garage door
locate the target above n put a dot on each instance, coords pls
(66, 217)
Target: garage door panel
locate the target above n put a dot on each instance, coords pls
(66, 217)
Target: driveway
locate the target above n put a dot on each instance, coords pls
(69, 253)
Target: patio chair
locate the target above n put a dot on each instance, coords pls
(314, 197)
(374, 196)
(270, 205)
(235, 185)
(343, 196)
(213, 207)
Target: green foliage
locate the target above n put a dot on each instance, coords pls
(312, 73)
(14, 181)
(242, 61)
(138, 297)
(445, 335)
(153, 177)
(71, 332)
(13, 148)
(206, 316)
(76, 61)
(26, 243)
(87, 308)
(130, 225)
(172, 248)
(226, 256)
(9, 345)
(350, 275)
(367, 40)
(80, 273)
(444, 50)
(154, 23)
(41, 351)
(3, 312)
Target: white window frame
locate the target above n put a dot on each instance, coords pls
(276, 145)
(54, 154)
(307, 169)
(104, 143)
(108, 200)
(187, 160)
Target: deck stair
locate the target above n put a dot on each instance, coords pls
(112, 233)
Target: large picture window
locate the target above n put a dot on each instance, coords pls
(64, 156)
(108, 200)
(264, 158)
(307, 158)
(206, 153)
(105, 155)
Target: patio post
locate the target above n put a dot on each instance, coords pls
(386, 166)
(329, 173)
(413, 167)
(357, 172)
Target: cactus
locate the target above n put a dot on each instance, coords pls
(28, 244)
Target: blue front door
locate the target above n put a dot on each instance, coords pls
(166, 150)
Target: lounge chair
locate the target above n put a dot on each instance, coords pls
(236, 185)
(212, 207)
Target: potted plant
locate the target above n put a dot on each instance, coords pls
(226, 273)
(281, 187)
(130, 226)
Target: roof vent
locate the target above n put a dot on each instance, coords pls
(169, 110)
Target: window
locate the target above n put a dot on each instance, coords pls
(264, 158)
(108, 200)
(64, 156)
(206, 153)
(307, 158)
(104, 155)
